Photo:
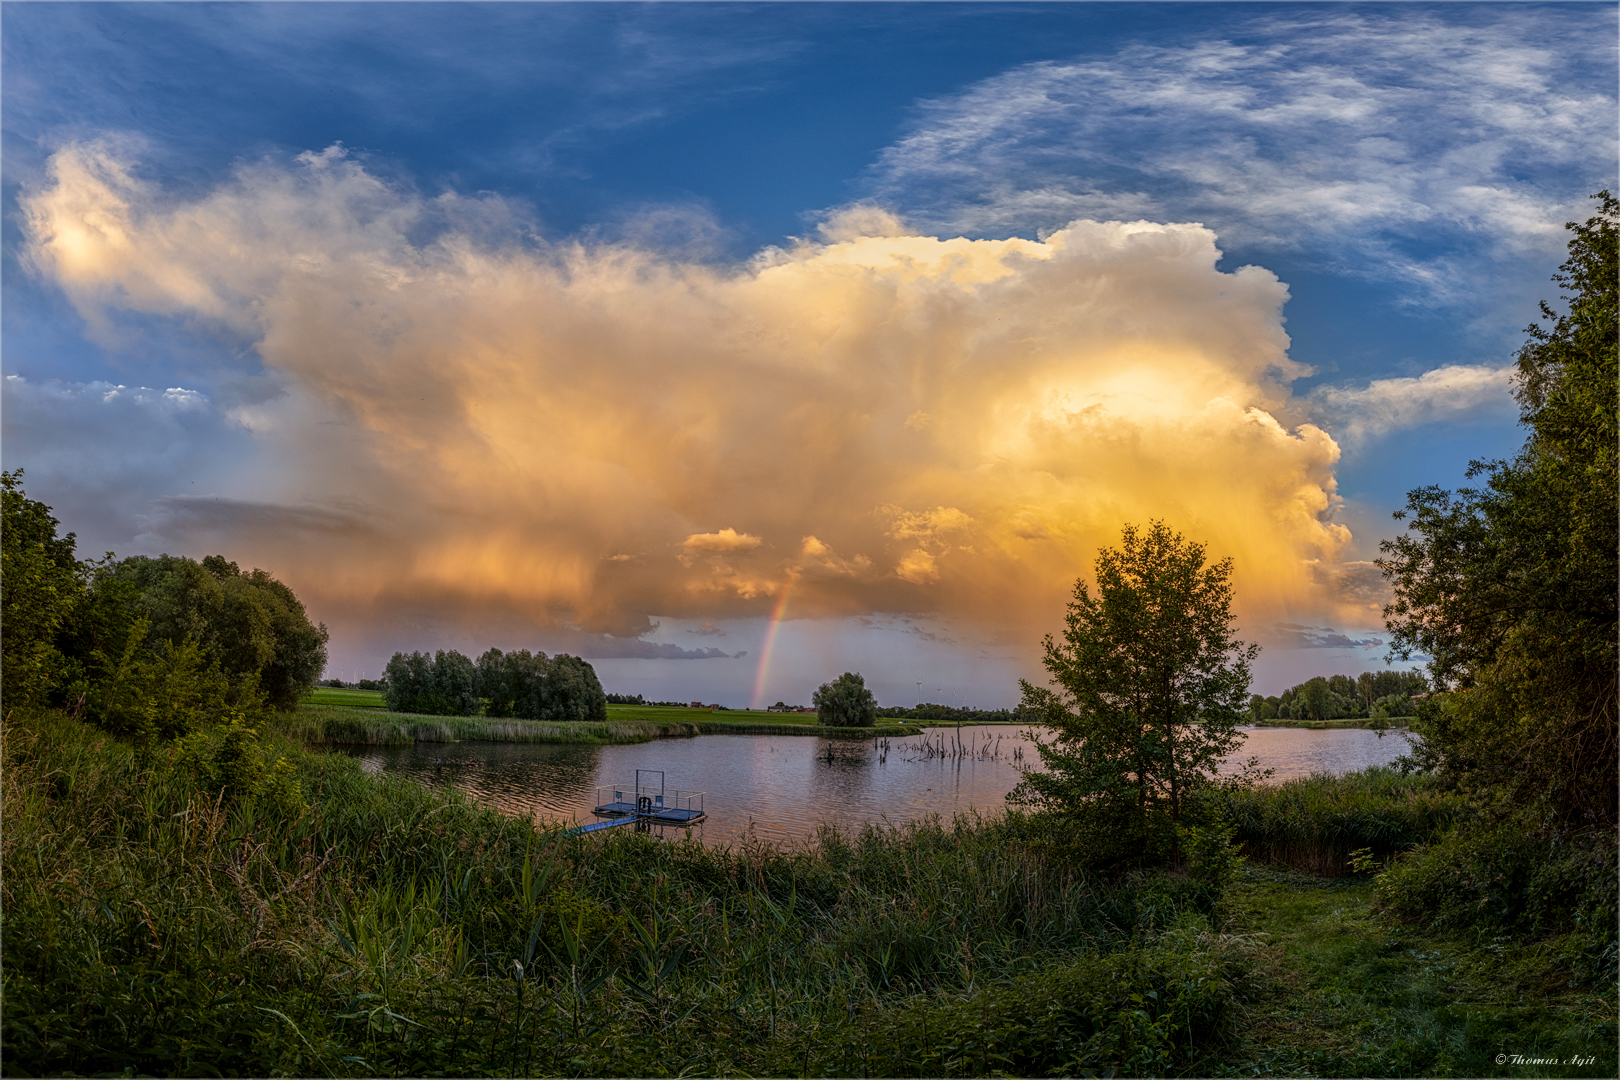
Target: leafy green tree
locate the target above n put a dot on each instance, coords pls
(845, 702)
(444, 684)
(1510, 587)
(571, 691)
(1149, 687)
(42, 582)
(512, 684)
(247, 622)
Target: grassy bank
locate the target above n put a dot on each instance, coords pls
(373, 926)
(318, 725)
(335, 724)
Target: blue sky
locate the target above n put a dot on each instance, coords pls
(1404, 170)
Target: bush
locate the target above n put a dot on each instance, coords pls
(1514, 876)
(42, 582)
(1141, 1012)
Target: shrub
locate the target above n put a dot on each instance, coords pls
(247, 622)
(1514, 876)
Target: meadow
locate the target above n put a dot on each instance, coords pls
(356, 925)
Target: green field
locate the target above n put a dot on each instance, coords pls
(354, 699)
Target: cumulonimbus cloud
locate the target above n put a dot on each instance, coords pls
(594, 436)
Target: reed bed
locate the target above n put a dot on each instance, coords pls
(331, 724)
(1315, 823)
(380, 927)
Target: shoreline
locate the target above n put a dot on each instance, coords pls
(342, 725)
(1329, 725)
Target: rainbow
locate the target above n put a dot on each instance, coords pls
(770, 640)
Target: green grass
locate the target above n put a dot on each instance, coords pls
(354, 699)
(1350, 991)
(376, 926)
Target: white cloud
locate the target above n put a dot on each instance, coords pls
(1450, 393)
(1367, 136)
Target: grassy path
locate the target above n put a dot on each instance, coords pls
(1348, 992)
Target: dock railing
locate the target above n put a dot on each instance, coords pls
(649, 800)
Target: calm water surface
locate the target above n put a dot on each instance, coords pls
(778, 788)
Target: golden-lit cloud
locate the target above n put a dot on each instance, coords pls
(597, 435)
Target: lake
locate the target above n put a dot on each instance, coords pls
(778, 788)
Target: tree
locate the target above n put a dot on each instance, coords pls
(1150, 686)
(511, 684)
(247, 622)
(444, 684)
(1510, 588)
(571, 691)
(845, 702)
(41, 583)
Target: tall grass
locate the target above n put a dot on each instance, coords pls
(1315, 823)
(328, 724)
(386, 928)
(317, 725)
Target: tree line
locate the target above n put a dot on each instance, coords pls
(516, 684)
(96, 636)
(1375, 695)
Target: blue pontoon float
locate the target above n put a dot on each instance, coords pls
(645, 804)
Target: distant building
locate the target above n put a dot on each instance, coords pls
(699, 705)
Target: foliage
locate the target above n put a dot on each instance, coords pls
(511, 683)
(571, 692)
(560, 689)
(1516, 876)
(845, 702)
(42, 583)
(379, 928)
(1378, 695)
(1511, 587)
(1315, 823)
(1151, 686)
(246, 622)
(444, 684)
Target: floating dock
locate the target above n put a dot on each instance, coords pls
(644, 804)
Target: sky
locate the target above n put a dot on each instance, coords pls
(735, 346)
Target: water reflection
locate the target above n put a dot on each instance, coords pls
(778, 788)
